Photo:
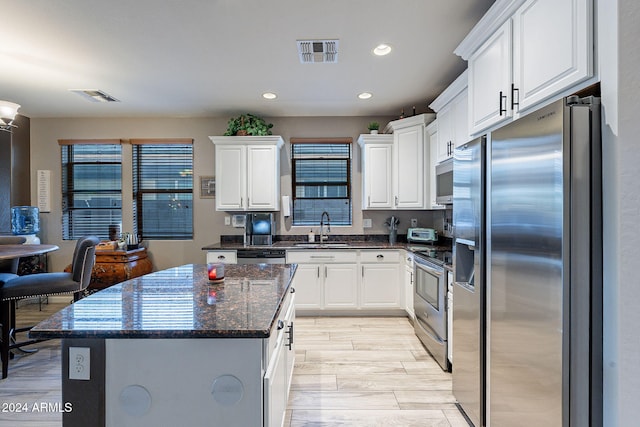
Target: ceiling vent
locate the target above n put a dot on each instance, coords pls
(311, 51)
(95, 95)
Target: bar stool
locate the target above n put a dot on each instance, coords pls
(42, 284)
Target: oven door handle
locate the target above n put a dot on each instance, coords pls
(434, 270)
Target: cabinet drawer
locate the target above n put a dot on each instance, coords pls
(320, 256)
(380, 256)
(225, 257)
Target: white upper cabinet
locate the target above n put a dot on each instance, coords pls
(394, 166)
(377, 156)
(247, 172)
(431, 137)
(524, 52)
(546, 62)
(451, 106)
(490, 81)
(408, 145)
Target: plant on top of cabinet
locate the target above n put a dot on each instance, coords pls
(248, 124)
(373, 127)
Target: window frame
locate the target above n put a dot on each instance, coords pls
(139, 193)
(68, 191)
(347, 183)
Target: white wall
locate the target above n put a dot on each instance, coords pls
(208, 224)
(619, 33)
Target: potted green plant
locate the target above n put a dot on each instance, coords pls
(373, 127)
(248, 124)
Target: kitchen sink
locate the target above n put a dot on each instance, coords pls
(321, 245)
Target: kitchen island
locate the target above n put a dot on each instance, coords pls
(172, 348)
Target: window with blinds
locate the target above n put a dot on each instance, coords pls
(321, 175)
(163, 189)
(91, 187)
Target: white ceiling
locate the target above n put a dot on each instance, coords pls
(199, 58)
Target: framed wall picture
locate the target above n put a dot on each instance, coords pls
(207, 187)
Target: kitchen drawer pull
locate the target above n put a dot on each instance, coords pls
(293, 290)
(380, 256)
(222, 257)
(280, 324)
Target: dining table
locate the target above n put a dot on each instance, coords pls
(19, 251)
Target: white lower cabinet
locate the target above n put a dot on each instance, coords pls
(408, 285)
(279, 366)
(325, 279)
(348, 280)
(380, 271)
(308, 285)
(340, 286)
(222, 257)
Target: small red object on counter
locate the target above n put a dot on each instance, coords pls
(216, 271)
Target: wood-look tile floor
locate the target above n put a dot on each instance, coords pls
(364, 371)
(350, 371)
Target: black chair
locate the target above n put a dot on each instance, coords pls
(42, 284)
(10, 265)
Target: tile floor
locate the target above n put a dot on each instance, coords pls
(355, 371)
(350, 371)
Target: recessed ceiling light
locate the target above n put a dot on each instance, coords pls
(365, 95)
(269, 95)
(382, 49)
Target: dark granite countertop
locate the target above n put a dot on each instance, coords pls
(178, 302)
(301, 245)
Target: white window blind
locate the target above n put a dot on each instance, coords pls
(91, 187)
(163, 189)
(321, 176)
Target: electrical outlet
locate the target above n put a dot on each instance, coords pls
(79, 363)
(414, 222)
(366, 223)
(227, 220)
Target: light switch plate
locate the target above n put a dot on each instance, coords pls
(366, 223)
(227, 220)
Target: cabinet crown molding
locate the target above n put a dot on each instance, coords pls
(248, 140)
(419, 119)
(458, 85)
(488, 24)
(366, 138)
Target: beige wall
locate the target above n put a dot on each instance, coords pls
(208, 224)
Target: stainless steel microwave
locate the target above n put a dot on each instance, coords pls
(444, 182)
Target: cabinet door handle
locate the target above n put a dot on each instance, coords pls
(293, 290)
(396, 199)
(241, 201)
(325, 271)
(290, 333)
(362, 268)
(318, 272)
(515, 103)
(502, 110)
(369, 201)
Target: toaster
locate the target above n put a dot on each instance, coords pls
(422, 235)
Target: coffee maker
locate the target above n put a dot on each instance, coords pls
(260, 228)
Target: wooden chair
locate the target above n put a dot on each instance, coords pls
(42, 284)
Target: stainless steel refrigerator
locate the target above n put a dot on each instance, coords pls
(540, 308)
(469, 252)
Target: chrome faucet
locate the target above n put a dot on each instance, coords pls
(324, 237)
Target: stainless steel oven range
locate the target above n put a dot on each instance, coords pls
(430, 305)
